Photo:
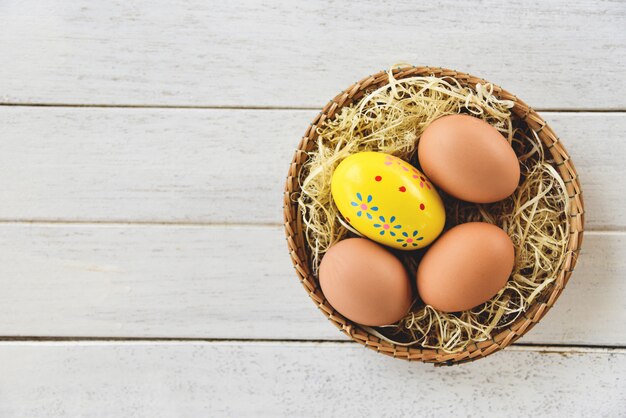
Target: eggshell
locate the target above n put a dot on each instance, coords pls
(365, 282)
(388, 200)
(467, 266)
(469, 159)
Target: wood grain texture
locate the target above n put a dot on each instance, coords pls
(228, 282)
(553, 54)
(300, 379)
(93, 202)
(146, 164)
(216, 166)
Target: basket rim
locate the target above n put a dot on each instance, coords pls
(298, 249)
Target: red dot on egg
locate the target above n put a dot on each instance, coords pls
(422, 207)
(347, 219)
(378, 178)
(402, 189)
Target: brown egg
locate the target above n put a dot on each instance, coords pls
(365, 282)
(469, 159)
(465, 267)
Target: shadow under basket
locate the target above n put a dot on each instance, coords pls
(299, 250)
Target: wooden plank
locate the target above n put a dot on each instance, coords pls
(228, 166)
(146, 165)
(553, 54)
(228, 282)
(592, 140)
(300, 379)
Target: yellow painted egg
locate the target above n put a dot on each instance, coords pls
(388, 200)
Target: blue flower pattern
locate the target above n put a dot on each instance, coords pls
(387, 226)
(412, 240)
(364, 207)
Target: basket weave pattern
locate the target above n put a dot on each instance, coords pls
(299, 250)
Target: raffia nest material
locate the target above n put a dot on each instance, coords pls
(544, 217)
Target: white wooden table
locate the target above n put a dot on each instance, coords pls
(143, 148)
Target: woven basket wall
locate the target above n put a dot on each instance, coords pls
(300, 253)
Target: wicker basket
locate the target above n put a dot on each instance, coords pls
(300, 253)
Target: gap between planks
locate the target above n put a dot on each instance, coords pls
(227, 107)
(190, 224)
(183, 224)
(552, 348)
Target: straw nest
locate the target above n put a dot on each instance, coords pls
(391, 119)
(312, 225)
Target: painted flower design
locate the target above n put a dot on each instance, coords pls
(423, 182)
(390, 160)
(364, 206)
(387, 226)
(409, 239)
